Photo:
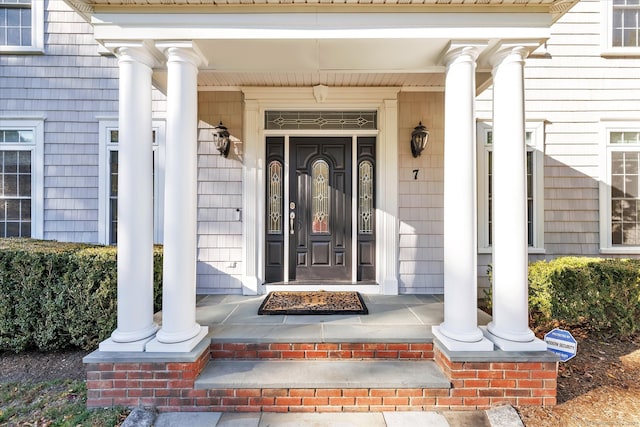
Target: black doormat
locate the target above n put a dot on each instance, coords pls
(316, 302)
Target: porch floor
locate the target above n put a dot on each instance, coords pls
(405, 318)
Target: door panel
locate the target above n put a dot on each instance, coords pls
(275, 214)
(366, 209)
(320, 190)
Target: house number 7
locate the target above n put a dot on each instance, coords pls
(415, 173)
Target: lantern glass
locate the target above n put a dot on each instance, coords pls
(220, 136)
(419, 139)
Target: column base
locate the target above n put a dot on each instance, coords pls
(389, 286)
(178, 347)
(508, 345)
(112, 346)
(250, 285)
(454, 345)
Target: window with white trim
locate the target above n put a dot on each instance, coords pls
(21, 166)
(621, 27)
(109, 138)
(21, 26)
(620, 189)
(534, 138)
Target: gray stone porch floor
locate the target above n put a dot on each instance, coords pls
(234, 318)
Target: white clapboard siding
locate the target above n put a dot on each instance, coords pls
(70, 86)
(421, 213)
(220, 260)
(573, 89)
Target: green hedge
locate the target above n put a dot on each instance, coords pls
(58, 295)
(601, 294)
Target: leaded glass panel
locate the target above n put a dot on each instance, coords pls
(320, 120)
(365, 197)
(320, 197)
(274, 198)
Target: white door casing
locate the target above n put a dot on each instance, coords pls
(382, 100)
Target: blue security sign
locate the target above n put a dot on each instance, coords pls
(562, 343)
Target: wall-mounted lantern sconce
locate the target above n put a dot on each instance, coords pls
(221, 139)
(419, 139)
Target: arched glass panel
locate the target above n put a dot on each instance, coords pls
(274, 198)
(320, 196)
(365, 197)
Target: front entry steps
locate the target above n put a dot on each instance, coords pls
(322, 385)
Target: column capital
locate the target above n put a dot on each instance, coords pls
(512, 52)
(462, 51)
(182, 51)
(134, 51)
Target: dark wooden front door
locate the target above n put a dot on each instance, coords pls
(319, 210)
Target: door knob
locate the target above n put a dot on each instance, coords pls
(292, 217)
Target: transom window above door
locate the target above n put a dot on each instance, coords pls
(325, 120)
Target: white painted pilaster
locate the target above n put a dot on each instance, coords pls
(388, 196)
(180, 332)
(459, 331)
(509, 329)
(253, 200)
(135, 203)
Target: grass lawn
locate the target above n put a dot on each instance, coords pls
(53, 403)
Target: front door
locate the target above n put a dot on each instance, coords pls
(320, 208)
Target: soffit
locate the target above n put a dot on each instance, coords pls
(148, 3)
(319, 42)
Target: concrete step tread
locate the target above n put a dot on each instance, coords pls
(247, 374)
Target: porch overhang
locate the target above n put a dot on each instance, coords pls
(278, 44)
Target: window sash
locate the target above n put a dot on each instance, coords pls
(19, 24)
(625, 24)
(15, 193)
(109, 182)
(534, 168)
(623, 164)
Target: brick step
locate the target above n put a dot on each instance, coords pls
(316, 385)
(322, 350)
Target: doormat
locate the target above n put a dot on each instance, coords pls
(316, 302)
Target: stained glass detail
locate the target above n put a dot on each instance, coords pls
(365, 197)
(274, 198)
(320, 120)
(320, 196)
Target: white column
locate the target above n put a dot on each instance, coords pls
(509, 329)
(459, 331)
(135, 203)
(180, 332)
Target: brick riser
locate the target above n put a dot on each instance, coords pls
(484, 384)
(315, 351)
(170, 386)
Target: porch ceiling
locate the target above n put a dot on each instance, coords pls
(333, 62)
(330, 42)
(222, 2)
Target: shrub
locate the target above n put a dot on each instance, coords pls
(602, 294)
(58, 295)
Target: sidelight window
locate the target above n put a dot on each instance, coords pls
(274, 198)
